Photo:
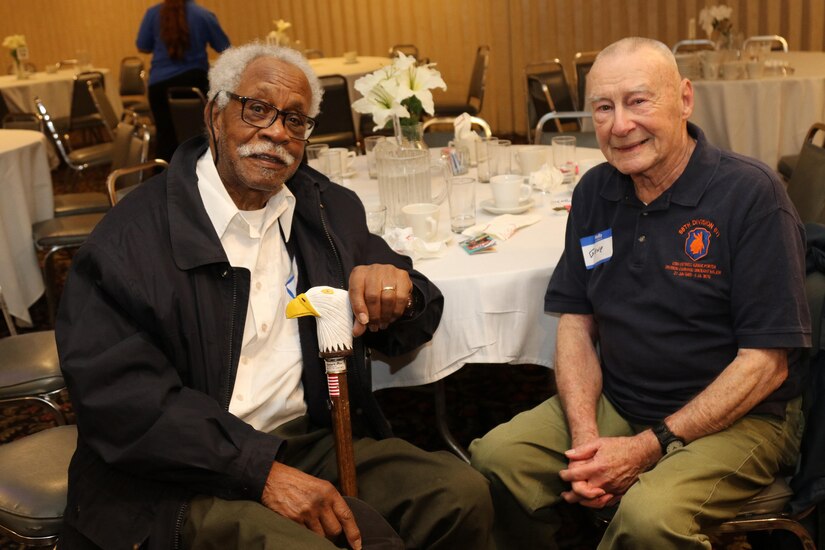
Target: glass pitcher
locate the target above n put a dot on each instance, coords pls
(404, 177)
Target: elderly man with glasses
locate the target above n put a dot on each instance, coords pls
(202, 410)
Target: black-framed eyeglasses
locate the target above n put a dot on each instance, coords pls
(261, 114)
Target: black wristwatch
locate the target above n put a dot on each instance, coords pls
(667, 439)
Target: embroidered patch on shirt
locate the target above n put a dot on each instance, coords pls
(597, 248)
(698, 235)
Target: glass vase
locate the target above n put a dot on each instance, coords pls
(20, 70)
(409, 136)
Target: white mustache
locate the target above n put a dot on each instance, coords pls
(278, 151)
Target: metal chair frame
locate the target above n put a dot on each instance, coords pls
(693, 45)
(578, 116)
(772, 39)
(116, 176)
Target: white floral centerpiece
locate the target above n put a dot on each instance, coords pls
(17, 44)
(279, 37)
(400, 92)
(716, 22)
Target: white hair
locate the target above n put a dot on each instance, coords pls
(225, 74)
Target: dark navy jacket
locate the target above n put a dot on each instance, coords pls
(149, 334)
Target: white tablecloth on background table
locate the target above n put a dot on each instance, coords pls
(493, 302)
(55, 89)
(328, 66)
(763, 118)
(26, 197)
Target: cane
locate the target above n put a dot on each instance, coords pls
(333, 313)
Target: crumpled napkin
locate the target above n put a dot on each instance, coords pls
(502, 227)
(464, 135)
(547, 178)
(402, 240)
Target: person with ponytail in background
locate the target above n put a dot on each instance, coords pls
(176, 33)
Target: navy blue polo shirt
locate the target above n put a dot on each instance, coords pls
(716, 263)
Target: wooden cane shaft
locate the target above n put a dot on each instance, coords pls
(342, 431)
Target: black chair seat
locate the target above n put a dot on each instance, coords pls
(65, 230)
(100, 153)
(34, 482)
(787, 164)
(70, 204)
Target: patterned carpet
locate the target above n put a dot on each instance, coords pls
(479, 397)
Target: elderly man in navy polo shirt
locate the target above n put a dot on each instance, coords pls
(683, 315)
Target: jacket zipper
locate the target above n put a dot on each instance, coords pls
(332, 244)
(182, 510)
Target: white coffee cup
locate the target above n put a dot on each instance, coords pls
(531, 158)
(509, 190)
(347, 158)
(423, 218)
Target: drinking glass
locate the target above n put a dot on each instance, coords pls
(564, 156)
(313, 152)
(485, 152)
(376, 218)
(462, 203)
(369, 149)
(502, 158)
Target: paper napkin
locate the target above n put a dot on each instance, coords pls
(502, 227)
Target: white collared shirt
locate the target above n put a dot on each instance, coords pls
(268, 389)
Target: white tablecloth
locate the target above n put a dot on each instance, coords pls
(767, 117)
(55, 89)
(494, 302)
(26, 197)
(328, 66)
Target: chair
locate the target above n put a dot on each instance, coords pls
(806, 187)
(583, 138)
(334, 125)
(34, 483)
(687, 46)
(103, 107)
(22, 121)
(30, 368)
(84, 116)
(475, 94)
(123, 180)
(547, 91)
(771, 42)
(312, 53)
(582, 62)
(436, 136)
(787, 163)
(133, 86)
(406, 49)
(79, 160)
(186, 109)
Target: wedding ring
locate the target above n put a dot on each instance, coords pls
(388, 289)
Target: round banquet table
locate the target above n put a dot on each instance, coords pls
(55, 89)
(763, 118)
(27, 197)
(493, 302)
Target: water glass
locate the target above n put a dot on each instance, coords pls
(485, 151)
(332, 165)
(462, 203)
(376, 218)
(313, 152)
(502, 158)
(564, 156)
(369, 149)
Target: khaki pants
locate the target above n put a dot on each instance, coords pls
(670, 505)
(432, 500)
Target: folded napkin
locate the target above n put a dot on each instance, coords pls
(547, 178)
(464, 135)
(402, 240)
(502, 227)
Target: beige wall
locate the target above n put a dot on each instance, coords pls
(446, 31)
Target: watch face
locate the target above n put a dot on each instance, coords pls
(673, 445)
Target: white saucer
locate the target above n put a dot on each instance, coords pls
(523, 206)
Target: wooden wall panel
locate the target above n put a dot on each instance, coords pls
(446, 31)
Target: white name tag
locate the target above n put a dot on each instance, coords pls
(597, 248)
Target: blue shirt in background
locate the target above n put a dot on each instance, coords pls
(204, 30)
